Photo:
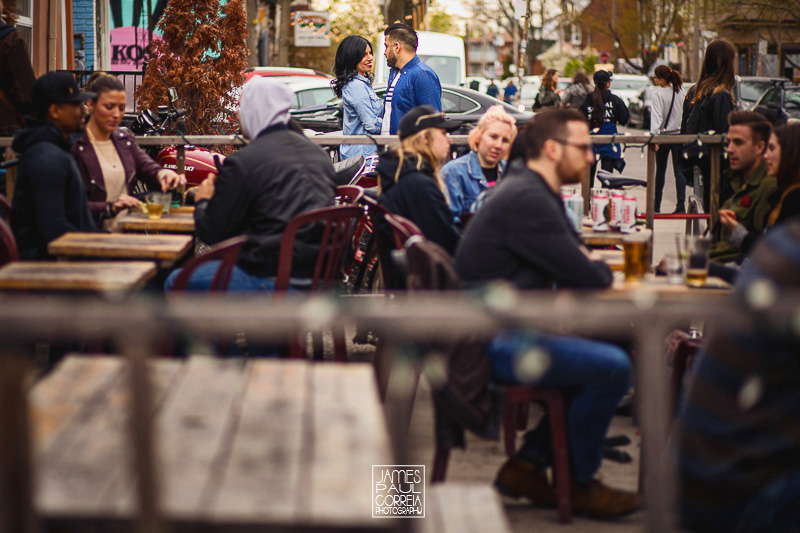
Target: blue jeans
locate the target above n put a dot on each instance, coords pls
(594, 375)
(241, 281)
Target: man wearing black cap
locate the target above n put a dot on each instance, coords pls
(49, 197)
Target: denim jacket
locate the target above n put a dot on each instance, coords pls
(363, 111)
(465, 181)
(418, 85)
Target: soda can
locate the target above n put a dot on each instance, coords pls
(600, 211)
(628, 222)
(573, 206)
(616, 208)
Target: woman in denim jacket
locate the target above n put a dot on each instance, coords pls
(363, 110)
(469, 175)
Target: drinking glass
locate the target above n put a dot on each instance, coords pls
(637, 257)
(155, 204)
(697, 257)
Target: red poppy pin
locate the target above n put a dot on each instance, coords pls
(746, 200)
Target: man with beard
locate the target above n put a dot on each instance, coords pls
(521, 234)
(411, 82)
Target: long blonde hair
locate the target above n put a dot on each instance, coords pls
(419, 147)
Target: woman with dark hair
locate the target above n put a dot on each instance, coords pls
(783, 162)
(576, 93)
(108, 158)
(604, 111)
(548, 95)
(665, 118)
(363, 110)
(707, 106)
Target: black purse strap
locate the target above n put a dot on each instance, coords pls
(669, 113)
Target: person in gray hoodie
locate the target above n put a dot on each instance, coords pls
(259, 189)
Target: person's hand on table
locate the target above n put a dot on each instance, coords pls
(205, 191)
(727, 218)
(170, 179)
(124, 202)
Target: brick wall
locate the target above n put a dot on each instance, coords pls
(83, 21)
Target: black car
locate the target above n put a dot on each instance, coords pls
(780, 103)
(459, 103)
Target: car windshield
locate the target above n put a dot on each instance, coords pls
(791, 101)
(752, 90)
(447, 68)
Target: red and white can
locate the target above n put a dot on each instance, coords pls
(616, 208)
(628, 221)
(600, 210)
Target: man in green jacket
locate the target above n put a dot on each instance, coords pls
(753, 190)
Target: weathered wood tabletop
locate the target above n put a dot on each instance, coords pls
(261, 445)
(609, 238)
(659, 286)
(166, 249)
(80, 276)
(179, 222)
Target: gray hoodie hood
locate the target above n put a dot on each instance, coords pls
(264, 103)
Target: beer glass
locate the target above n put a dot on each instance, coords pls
(636, 251)
(697, 257)
(155, 204)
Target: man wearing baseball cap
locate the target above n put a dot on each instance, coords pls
(49, 197)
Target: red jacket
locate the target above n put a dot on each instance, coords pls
(137, 164)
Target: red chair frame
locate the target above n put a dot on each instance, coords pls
(226, 251)
(8, 245)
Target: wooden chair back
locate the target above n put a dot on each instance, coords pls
(8, 246)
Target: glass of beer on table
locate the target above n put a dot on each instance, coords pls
(155, 204)
(697, 251)
(636, 250)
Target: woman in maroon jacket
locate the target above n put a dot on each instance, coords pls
(108, 157)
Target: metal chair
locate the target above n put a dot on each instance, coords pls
(337, 226)
(227, 252)
(5, 205)
(8, 246)
(349, 194)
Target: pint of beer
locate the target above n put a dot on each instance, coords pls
(637, 257)
(697, 251)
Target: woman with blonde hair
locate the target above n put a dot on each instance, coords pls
(408, 176)
(471, 174)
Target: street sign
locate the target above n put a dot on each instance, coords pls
(603, 57)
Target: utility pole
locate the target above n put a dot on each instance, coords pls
(696, 57)
(523, 56)
(283, 17)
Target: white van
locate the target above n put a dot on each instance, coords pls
(443, 53)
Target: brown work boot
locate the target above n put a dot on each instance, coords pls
(520, 478)
(600, 501)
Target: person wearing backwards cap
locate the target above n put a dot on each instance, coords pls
(260, 188)
(408, 176)
(49, 197)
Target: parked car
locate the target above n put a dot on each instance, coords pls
(640, 107)
(460, 103)
(283, 71)
(527, 95)
(780, 103)
(748, 89)
(627, 86)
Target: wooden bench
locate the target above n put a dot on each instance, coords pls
(461, 508)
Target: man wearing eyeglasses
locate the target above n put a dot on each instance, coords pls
(412, 83)
(521, 234)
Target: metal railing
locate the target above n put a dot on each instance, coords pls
(645, 143)
(136, 325)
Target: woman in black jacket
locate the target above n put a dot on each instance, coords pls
(604, 111)
(707, 106)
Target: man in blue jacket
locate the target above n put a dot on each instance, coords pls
(411, 82)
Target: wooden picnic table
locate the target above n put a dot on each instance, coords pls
(609, 238)
(178, 222)
(165, 249)
(82, 276)
(658, 286)
(258, 445)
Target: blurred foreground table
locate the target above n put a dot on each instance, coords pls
(258, 445)
(166, 249)
(82, 276)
